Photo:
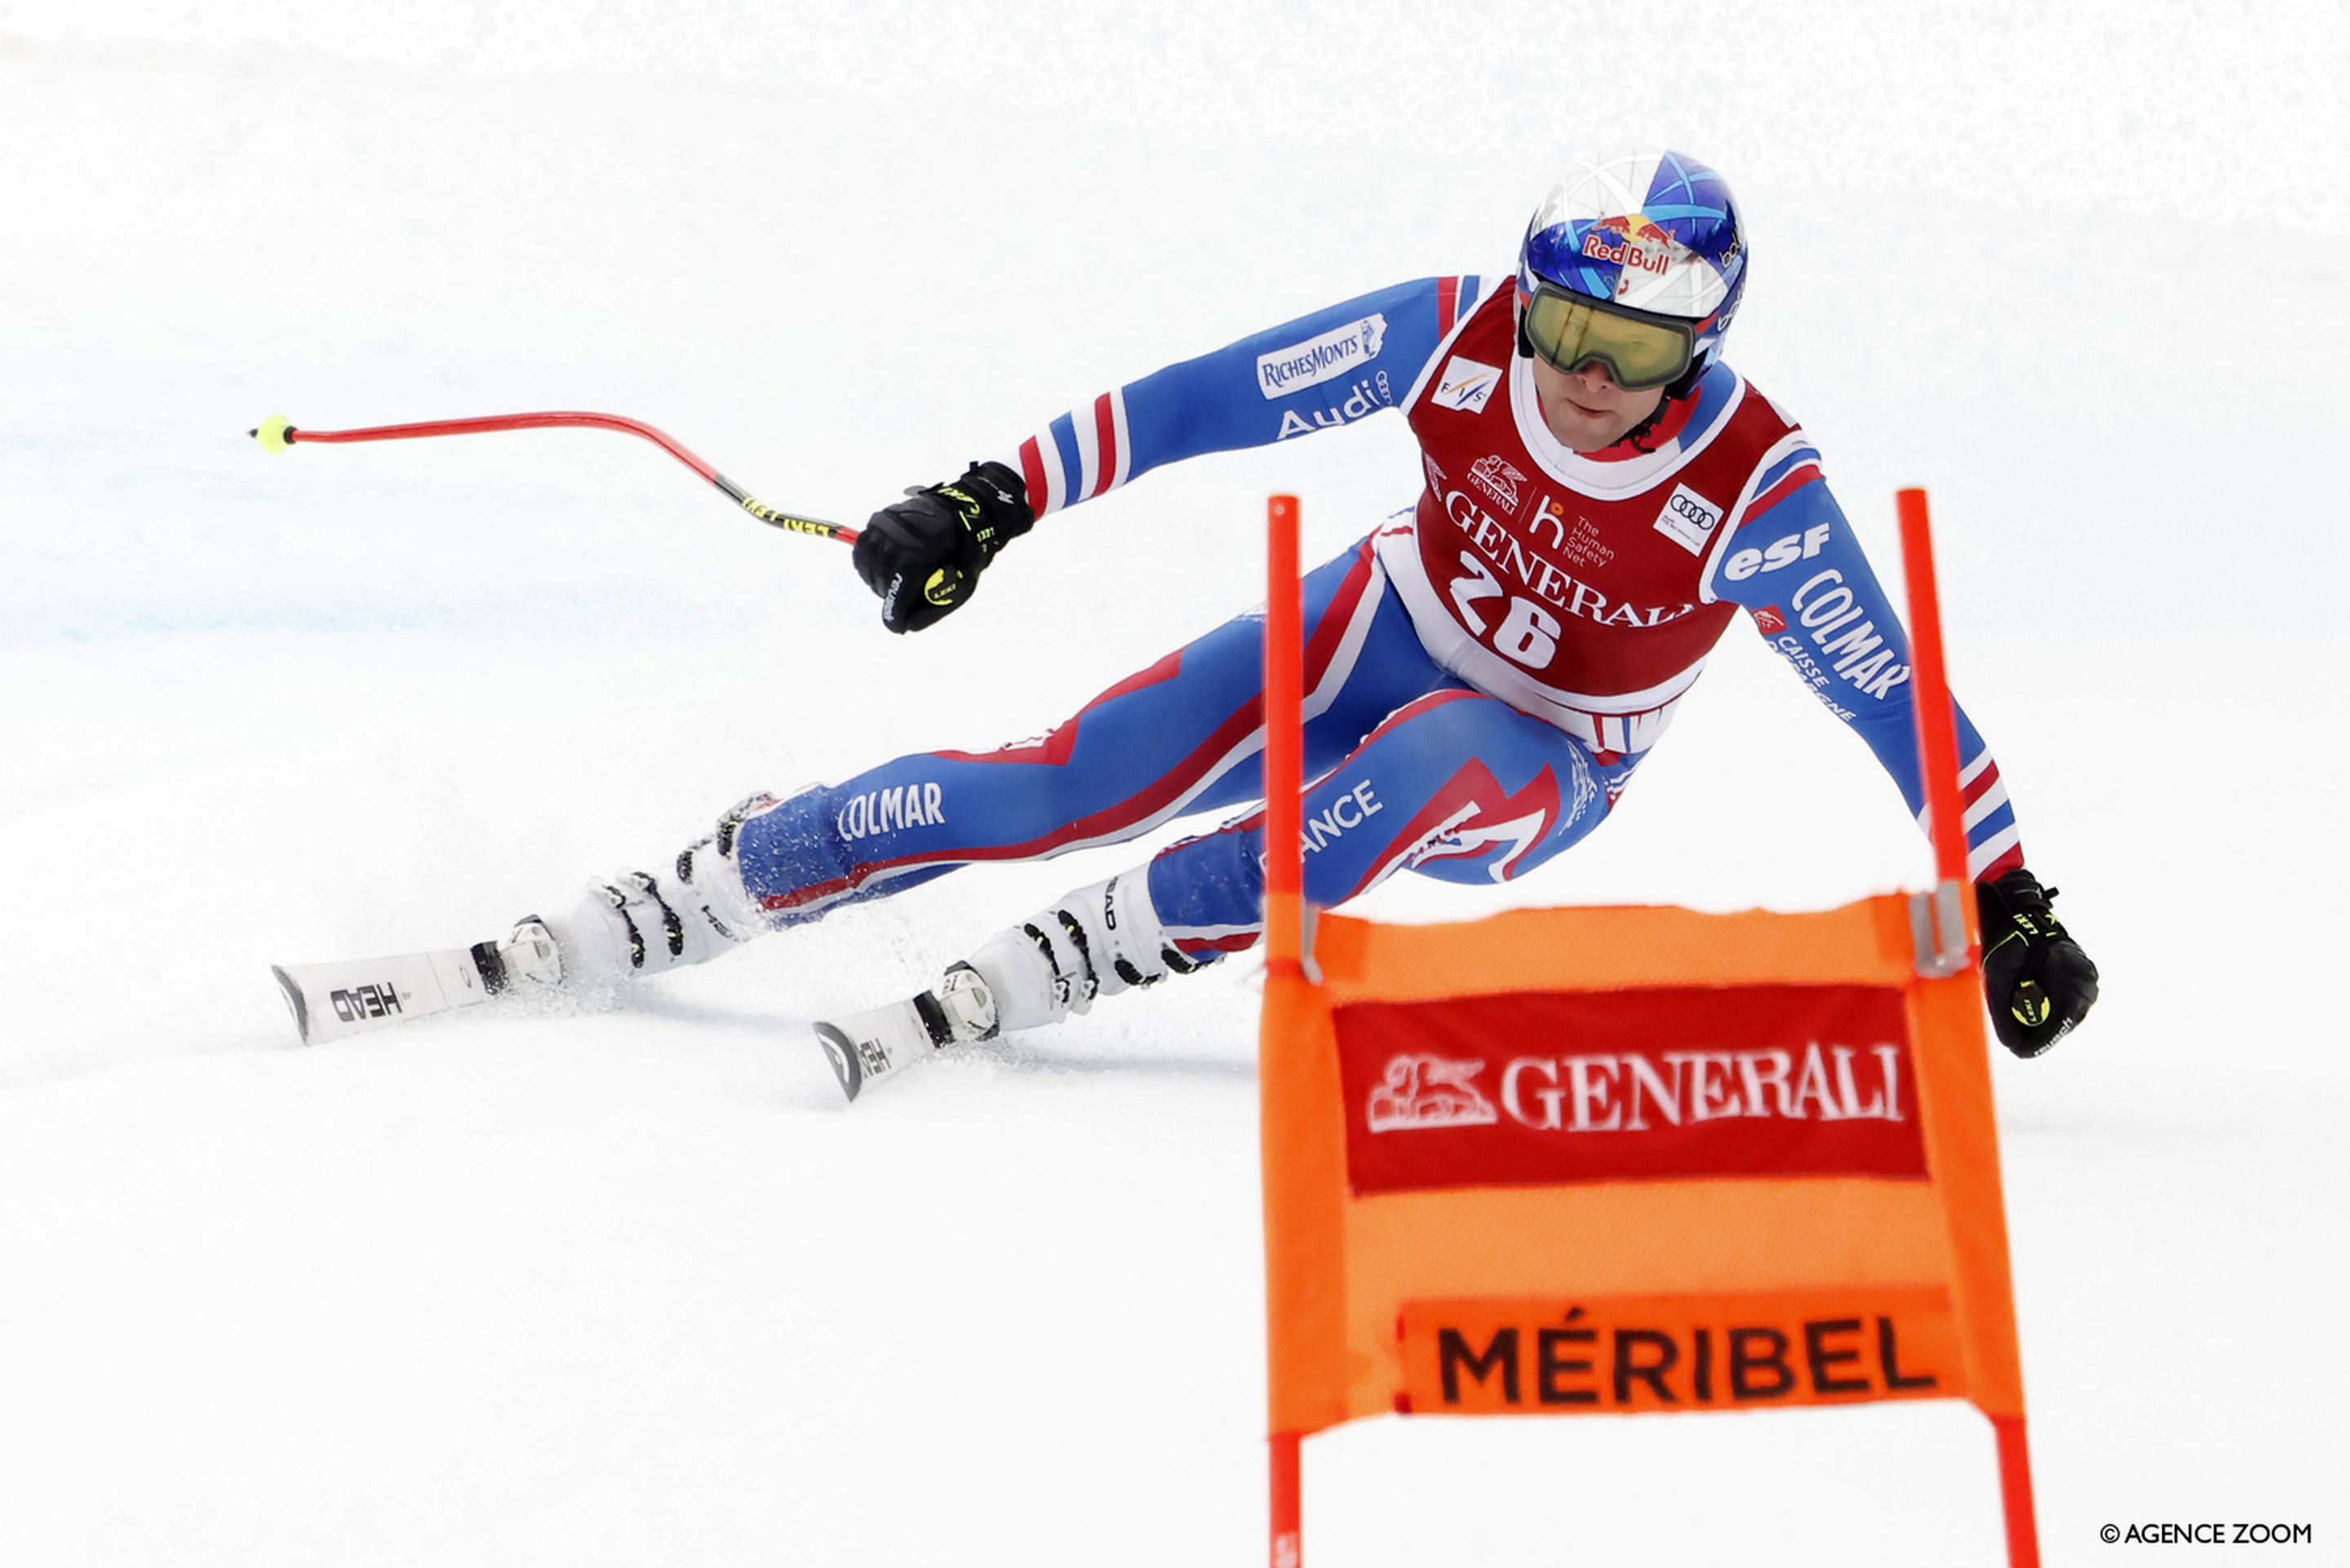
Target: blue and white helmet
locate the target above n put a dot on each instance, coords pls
(1644, 230)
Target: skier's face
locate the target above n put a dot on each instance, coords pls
(1586, 410)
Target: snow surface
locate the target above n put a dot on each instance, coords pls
(634, 1287)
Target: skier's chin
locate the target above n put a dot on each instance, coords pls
(1582, 428)
(1584, 418)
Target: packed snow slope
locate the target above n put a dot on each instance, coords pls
(633, 1286)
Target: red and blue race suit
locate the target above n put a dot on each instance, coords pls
(1484, 669)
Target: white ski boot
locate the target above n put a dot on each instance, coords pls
(644, 922)
(1096, 941)
(637, 923)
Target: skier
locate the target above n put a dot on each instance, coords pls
(1484, 671)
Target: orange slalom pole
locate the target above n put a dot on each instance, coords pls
(1284, 740)
(1284, 884)
(1938, 727)
(1983, 1280)
(1288, 1524)
(2016, 1491)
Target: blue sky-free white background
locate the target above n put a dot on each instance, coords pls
(629, 1286)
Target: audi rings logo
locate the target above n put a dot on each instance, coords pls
(1689, 519)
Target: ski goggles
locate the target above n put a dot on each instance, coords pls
(1640, 351)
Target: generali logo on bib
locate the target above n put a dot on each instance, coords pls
(1540, 1088)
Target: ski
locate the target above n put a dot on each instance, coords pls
(357, 996)
(867, 1046)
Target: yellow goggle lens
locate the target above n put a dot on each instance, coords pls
(1570, 332)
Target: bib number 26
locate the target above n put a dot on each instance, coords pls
(1528, 633)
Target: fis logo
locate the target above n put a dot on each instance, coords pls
(1689, 520)
(1465, 385)
(365, 1002)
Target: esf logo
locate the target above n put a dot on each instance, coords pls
(365, 1002)
(1778, 553)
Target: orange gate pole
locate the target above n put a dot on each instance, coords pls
(1285, 740)
(1285, 886)
(1982, 1273)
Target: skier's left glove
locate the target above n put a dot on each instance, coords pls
(2038, 981)
(923, 555)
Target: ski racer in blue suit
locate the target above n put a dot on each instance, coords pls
(1485, 669)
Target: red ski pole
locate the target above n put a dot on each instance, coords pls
(276, 434)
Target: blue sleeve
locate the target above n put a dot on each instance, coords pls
(1318, 372)
(1796, 566)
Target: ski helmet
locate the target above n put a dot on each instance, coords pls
(1635, 260)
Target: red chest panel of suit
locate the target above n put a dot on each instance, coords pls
(1590, 593)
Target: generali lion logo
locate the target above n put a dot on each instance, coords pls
(1497, 478)
(1430, 1092)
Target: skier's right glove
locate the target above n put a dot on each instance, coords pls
(2036, 977)
(923, 555)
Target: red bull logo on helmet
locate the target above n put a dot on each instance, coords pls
(1633, 242)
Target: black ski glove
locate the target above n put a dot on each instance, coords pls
(2039, 981)
(923, 555)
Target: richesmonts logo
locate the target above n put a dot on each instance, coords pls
(1335, 353)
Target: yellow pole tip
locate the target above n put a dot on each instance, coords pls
(276, 433)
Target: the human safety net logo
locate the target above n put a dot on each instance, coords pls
(1537, 1088)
